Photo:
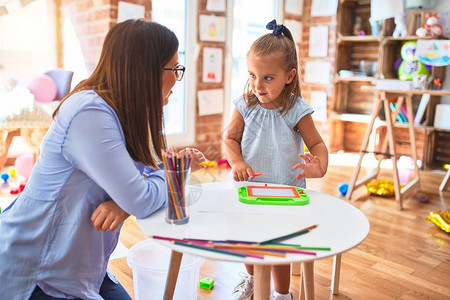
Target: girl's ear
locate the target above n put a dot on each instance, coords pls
(291, 75)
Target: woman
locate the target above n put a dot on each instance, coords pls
(106, 133)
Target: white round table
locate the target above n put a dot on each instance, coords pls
(218, 215)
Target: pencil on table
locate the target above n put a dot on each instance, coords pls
(209, 249)
(288, 236)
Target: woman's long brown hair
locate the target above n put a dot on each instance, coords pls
(129, 78)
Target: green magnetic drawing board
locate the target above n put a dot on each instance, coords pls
(273, 195)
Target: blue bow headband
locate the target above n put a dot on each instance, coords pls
(277, 29)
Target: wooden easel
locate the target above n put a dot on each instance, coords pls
(400, 193)
(390, 119)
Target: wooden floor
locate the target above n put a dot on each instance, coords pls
(403, 257)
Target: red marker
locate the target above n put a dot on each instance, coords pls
(255, 175)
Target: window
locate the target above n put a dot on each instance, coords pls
(179, 114)
(27, 39)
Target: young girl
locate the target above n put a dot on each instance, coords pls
(267, 130)
(105, 135)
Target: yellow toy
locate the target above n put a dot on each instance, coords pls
(380, 188)
(440, 219)
(208, 164)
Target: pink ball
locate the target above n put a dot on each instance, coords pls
(43, 88)
(24, 164)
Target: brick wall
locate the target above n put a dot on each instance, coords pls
(307, 21)
(91, 20)
(208, 128)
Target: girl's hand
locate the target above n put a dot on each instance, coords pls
(241, 171)
(108, 216)
(311, 167)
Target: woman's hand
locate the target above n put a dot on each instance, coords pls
(108, 216)
(311, 167)
(241, 171)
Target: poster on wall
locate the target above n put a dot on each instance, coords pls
(323, 8)
(216, 5)
(294, 7)
(433, 52)
(318, 41)
(210, 102)
(212, 28)
(127, 11)
(212, 64)
(318, 72)
(295, 27)
(319, 105)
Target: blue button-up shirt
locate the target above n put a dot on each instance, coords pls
(46, 236)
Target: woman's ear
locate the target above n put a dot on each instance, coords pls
(291, 75)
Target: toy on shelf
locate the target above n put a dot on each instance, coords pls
(358, 28)
(410, 66)
(437, 85)
(431, 27)
(400, 26)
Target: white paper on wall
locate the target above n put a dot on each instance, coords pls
(127, 11)
(385, 9)
(215, 5)
(318, 41)
(212, 28)
(318, 72)
(295, 27)
(210, 102)
(294, 7)
(212, 64)
(321, 8)
(319, 104)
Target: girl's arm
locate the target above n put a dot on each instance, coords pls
(316, 162)
(233, 136)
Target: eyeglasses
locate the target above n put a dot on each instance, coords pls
(178, 71)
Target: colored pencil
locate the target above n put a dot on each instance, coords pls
(265, 248)
(288, 236)
(209, 249)
(171, 187)
(255, 175)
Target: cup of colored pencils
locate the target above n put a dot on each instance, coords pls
(178, 173)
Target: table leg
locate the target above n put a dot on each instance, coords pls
(172, 274)
(336, 274)
(308, 278)
(262, 282)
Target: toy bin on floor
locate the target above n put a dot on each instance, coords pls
(150, 262)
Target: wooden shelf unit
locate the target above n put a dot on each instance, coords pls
(350, 99)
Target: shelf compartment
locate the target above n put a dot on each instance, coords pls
(350, 98)
(438, 150)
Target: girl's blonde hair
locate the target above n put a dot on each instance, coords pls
(284, 44)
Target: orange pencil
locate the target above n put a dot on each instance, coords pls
(255, 175)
